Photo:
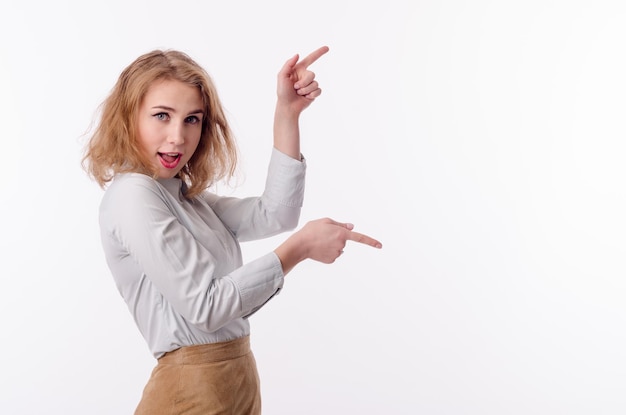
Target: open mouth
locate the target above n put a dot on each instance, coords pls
(169, 160)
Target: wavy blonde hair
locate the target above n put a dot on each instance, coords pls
(113, 147)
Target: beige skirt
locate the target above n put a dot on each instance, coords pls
(219, 378)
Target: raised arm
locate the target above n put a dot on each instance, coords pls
(296, 89)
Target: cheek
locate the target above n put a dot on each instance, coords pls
(146, 138)
(142, 146)
(194, 141)
(192, 148)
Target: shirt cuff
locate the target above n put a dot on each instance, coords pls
(262, 279)
(285, 179)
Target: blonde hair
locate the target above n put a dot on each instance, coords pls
(113, 147)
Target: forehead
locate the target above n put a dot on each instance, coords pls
(174, 94)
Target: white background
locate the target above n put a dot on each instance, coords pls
(481, 141)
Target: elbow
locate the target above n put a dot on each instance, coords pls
(283, 215)
(209, 326)
(289, 221)
(208, 321)
(269, 222)
(218, 307)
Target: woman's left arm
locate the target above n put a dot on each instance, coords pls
(276, 211)
(296, 90)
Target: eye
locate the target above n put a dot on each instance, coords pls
(192, 119)
(161, 116)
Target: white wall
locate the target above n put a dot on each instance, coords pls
(482, 142)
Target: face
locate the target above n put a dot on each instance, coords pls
(169, 125)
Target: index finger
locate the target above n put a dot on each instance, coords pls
(364, 239)
(313, 56)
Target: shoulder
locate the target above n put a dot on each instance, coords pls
(134, 204)
(127, 181)
(129, 184)
(209, 197)
(131, 191)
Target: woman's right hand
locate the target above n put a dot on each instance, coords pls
(322, 240)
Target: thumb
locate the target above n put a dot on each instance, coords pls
(288, 66)
(347, 225)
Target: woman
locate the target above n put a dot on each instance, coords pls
(173, 246)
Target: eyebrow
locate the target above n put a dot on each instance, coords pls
(165, 107)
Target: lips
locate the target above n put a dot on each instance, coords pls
(170, 160)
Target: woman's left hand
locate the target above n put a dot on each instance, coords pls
(297, 86)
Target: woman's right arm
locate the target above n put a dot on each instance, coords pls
(145, 243)
(321, 240)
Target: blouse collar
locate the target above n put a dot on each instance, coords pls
(175, 186)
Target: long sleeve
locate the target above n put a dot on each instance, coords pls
(189, 270)
(277, 210)
(177, 262)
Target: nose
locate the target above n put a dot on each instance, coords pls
(176, 134)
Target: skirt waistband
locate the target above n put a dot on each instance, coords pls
(207, 353)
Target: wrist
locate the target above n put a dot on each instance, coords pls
(291, 253)
(286, 112)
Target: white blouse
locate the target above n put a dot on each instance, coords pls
(177, 262)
